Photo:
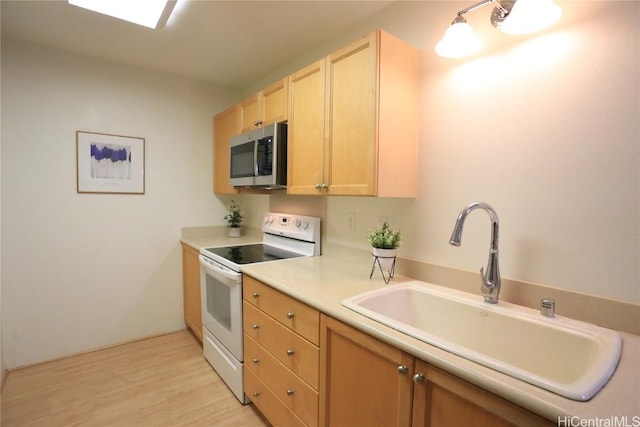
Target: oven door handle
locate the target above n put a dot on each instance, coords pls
(230, 275)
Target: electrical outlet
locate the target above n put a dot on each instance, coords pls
(351, 222)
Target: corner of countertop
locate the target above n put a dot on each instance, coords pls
(216, 235)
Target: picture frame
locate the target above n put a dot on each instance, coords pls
(108, 163)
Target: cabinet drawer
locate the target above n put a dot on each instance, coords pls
(295, 393)
(271, 407)
(295, 315)
(293, 351)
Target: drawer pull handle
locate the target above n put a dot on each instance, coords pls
(256, 360)
(256, 393)
(255, 326)
(290, 352)
(418, 378)
(256, 294)
(403, 370)
(289, 392)
(290, 315)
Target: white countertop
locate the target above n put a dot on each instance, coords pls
(324, 281)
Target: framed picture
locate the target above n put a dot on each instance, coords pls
(109, 163)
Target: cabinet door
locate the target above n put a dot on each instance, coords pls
(398, 108)
(443, 400)
(225, 125)
(363, 381)
(191, 290)
(270, 105)
(275, 102)
(351, 125)
(250, 113)
(306, 132)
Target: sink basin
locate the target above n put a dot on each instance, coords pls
(565, 356)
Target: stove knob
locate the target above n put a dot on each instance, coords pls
(298, 223)
(305, 225)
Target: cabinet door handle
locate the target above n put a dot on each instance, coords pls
(290, 315)
(256, 360)
(256, 294)
(403, 370)
(256, 393)
(257, 122)
(318, 186)
(290, 352)
(418, 378)
(289, 392)
(255, 326)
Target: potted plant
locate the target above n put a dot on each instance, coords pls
(384, 242)
(234, 219)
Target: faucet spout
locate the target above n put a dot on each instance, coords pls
(491, 277)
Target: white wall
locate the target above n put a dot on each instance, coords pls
(81, 271)
(545, 129)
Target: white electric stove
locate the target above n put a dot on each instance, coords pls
(283, 236)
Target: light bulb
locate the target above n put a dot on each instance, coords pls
(528, 16)
(459, 40)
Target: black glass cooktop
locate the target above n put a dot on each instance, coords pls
(249, 254)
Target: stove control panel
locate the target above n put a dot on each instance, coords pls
(294, 226)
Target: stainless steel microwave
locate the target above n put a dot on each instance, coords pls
(259, 157)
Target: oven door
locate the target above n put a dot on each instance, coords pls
(221, 290)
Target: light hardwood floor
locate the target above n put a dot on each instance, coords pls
(161, 381)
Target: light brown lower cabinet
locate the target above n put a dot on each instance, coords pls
(191, 290)
(366, 382)
(304, 368)
(281, 355)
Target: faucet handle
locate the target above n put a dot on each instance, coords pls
(486, 282)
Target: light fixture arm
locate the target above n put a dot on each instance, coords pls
(499, 13)
(479, 5)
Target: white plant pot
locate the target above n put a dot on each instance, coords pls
(235, 231)
(386, 258)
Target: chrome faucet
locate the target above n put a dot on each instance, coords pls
(491, 280)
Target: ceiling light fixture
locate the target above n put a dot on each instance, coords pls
(148, 13)
(511, 16)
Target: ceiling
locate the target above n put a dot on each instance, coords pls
(233, 43)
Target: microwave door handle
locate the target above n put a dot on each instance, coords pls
(255, 158)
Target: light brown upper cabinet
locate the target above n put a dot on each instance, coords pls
(367, 121)
(270, 105)
(306, 134)
(225, 125)
(267, 106)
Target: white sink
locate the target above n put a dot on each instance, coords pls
(571, 358)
